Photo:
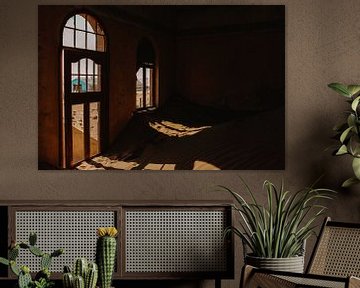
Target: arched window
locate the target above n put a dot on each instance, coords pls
(84, 94)
(145, 76)
(84, 32)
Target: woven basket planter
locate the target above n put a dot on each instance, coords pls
(291, 264)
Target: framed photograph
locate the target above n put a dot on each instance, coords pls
(161, 87)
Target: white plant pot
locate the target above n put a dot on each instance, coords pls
(291, 264)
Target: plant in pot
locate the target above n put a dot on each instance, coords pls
(276, 233)
(348, 132)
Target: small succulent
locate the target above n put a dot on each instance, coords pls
(42, 278)
(43, 283)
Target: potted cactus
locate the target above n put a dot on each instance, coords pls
(42, 278)
(85, 275)
(106, 254)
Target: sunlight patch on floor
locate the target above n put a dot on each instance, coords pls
(202, 165)
(153, 166)
(105, 162)
(175, 129)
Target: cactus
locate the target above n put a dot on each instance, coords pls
(67, 269)
(91, 276)
(80, 268)
(88, 273)
(42, 278)
(24, 277)
(32, 239)
(106, 254)
(13, 253)
(36, 251)
(45, 261)
(24, 245)
(79, 282)
(68, 280)
(57, 252)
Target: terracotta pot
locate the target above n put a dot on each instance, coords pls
(291, 264)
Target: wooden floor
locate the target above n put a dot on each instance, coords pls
(189, 137)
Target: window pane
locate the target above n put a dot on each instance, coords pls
(68, 37)
(90, 66)
(87, 31)
(78, 133)
(80, 22)
(74, 68)
(139, 88)
(91, 41)
(94, 128)
(83, 84)
(70, 22)
(83, 66)
(97, 84)
(97, 69)
(80, 40)
(75, 85)
(90, 83)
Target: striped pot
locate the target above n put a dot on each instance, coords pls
(291, 264)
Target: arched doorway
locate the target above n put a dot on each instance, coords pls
(84, 95)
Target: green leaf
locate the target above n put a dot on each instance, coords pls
(14, 268)
(356, 167)
(340, 88)
(342, 150)
(353, 89)
(354, 145)
(4, 261)
(345, 134)
(351, 120)
(349, 182)
(279, 228)
(355, 103)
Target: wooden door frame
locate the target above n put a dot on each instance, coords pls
(69, 98)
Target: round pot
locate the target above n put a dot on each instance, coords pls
(291, 264)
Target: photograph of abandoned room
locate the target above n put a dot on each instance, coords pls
(156, 87)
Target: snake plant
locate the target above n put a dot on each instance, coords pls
(348, 133)
(279, 228)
